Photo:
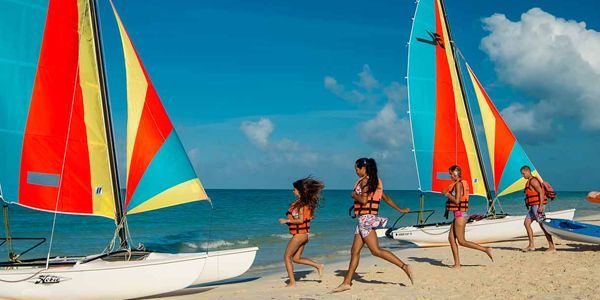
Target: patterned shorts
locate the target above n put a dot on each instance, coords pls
(367, 222)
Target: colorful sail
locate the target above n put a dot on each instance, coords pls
(441, 128)
(505, 153)
(159, 172)
(52, 132)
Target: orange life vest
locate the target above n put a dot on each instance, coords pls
(463, 204)
(373, 200)
(532, 197)
(293, 214)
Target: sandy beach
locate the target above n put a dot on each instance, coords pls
(571, 272)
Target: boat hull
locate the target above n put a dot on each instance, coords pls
(226, 264)
(573, 231)
(158, 273)
(482, 231)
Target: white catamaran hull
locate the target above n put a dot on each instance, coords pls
(158, 273)
(482, 231)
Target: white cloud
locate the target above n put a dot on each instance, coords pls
(386, 130)
(339, 90)
(553, 60)
(258, 132)
(278, 151)
(395, 92)
(522, 118)
(366, 79)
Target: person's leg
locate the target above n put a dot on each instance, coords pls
(454, 246)
(551, 247)
(459, 231)
(293, 245)
(357, 245)
(373, 244)
(527, 224)
(297, 258)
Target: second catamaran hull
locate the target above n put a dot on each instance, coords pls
(482, 231)
(158, 273)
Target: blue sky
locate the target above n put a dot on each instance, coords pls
(263, 93)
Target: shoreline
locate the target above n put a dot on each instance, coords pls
(570, 272)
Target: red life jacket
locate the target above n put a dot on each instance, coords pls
(371, 207)
(532, 197)
(463, 204)
(303, 227)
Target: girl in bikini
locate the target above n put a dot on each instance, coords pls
(458, 204)
(299, 215)
(367, 194)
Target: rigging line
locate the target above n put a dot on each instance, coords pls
(62, 171)
(24, 279)
(210, 217)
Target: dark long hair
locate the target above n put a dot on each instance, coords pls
(310, 192)
(371, 168)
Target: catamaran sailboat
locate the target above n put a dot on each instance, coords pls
(444, 134)
(58, 155)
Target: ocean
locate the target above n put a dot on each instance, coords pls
(243, 218)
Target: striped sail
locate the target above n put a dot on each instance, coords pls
(505, 153)
(159, 172)
(441, 131)
(53, 138)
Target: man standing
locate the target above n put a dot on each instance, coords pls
(535, 199)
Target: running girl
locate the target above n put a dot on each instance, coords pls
(299, 215)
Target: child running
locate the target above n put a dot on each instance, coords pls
(458, 204)
(299, 215)
(367, 194)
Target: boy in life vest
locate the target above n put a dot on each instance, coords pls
(535, 199)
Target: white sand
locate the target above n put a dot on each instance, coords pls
(573, 272)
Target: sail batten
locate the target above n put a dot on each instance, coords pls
(159, 172)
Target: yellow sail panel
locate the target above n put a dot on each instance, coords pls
(489, 120)
(137, 87)
(176, 195)
(475, 170)
(100, 170)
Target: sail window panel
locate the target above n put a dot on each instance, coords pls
(43, 179)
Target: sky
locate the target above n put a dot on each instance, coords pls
(265, 92)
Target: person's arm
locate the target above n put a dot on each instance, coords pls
(459, 190)
(537, 186)
(363, 197)
(391, 203)
(300, 219)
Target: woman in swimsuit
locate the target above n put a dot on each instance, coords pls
(299, 215)
(367, 194)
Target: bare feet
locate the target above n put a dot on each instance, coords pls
(528, 248)
(456, 267)
(408, 270)
(320, 270)
(551, 250)
(291, 285)
(341, 288)
(488, 251)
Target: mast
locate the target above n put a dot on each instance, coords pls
(120, 219)
(490, 199)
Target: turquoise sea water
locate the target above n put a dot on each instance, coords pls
(242, 218)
